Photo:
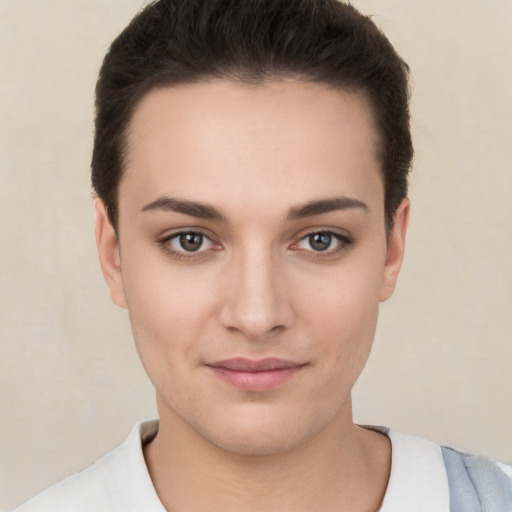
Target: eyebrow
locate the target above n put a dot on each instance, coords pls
(192, 208)
(206, 211)
(325, 206)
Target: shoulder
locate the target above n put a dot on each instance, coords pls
(473, 478)
(118, 481)
(426, 476)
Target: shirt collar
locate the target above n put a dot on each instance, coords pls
(418, 478)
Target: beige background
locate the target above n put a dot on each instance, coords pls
(71, 386)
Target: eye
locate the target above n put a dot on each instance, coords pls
(189, 242)
(318, 241)
(323, 242)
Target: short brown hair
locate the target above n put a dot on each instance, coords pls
(173, 42)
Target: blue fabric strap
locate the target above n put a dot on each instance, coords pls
(476, 483)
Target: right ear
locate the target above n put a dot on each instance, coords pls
(108, 251)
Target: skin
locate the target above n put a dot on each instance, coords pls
(256, 288)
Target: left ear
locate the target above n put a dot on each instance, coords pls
(395, 249)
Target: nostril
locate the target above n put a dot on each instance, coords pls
(277, 329)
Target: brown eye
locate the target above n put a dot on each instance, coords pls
(191, 242)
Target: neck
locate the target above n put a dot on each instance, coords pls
(344, 467)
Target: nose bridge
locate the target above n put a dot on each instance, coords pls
(257, 304)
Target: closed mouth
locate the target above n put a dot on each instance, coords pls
(241, 364)
(256, 375)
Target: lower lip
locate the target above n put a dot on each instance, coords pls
(256, 381)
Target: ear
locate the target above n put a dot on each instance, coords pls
(108, 251)
(395, 249)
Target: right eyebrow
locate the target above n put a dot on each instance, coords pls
(192, 208)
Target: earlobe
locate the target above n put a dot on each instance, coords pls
(108, 251)
(395, 249)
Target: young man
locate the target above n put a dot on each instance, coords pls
(251, 162)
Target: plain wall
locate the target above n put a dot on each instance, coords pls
(71, 385)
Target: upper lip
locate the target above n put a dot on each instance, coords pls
(241, 364)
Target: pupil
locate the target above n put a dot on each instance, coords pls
(320, 241)
(191, 241)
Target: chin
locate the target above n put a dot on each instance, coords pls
(257, 444)
(261, 434)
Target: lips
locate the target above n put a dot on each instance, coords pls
(255, 375)
(240, 364)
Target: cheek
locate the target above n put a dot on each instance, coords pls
(348, 333)
(343, 312)
(349, 320)
(169, 305)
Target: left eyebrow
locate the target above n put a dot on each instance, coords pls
(325, 206)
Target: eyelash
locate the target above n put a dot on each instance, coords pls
(343, 243)
(165, 244)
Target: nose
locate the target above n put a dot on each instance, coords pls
(257, 302)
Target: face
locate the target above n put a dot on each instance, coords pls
(252, 256)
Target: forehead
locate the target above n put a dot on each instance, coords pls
(226, 136)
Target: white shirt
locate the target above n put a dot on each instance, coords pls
(120, 480)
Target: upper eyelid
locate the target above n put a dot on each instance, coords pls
(183, 231)
(338, 236)
(326, 230)
(337, 232)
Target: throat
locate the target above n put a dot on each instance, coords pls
(350, 475)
